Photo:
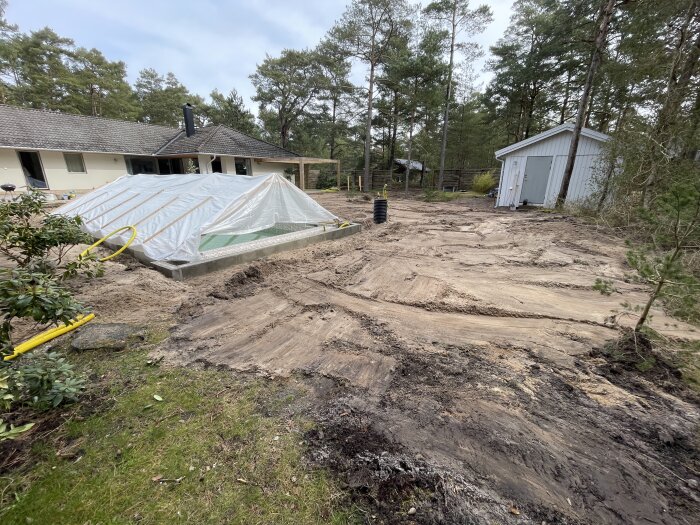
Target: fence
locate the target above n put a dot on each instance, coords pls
(454, 179)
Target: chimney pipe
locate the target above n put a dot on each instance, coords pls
(189, 119)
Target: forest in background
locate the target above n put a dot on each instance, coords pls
(419, 100)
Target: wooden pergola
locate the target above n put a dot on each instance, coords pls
(303, 163)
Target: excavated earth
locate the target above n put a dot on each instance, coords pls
(453, 362)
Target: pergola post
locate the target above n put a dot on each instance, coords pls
(337, 174)
(301, 175)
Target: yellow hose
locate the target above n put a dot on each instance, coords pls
(48, 335)
(103, 239)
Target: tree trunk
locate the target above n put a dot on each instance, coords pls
(334, 118)
(589, 109)
(678, 82)
(690, 146)
(368, 138)
(655, 293)
(410, 144)
(565, 103)
(448, 96)
(394, 128)
(530, 110)
(612, 161)
(606, 12)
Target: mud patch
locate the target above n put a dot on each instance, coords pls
(383, 477)
(241, 284)
(631, 361)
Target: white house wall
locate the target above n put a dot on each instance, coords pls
(557, 146)
(265, 168)
(228, 164)
(100, 169)
(10, 168)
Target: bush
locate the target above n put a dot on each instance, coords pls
(11, 432)
(45, 381)
(32, 295)
(37, 243)
(29, 234)
(483, 182)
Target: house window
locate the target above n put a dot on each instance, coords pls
(170, 166)
(74, 162)
(243, 167)
(138, 165)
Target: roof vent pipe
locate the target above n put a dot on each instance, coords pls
(189, 119)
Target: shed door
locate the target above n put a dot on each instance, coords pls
(535, 181)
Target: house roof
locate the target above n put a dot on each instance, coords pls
(591, 134)
(52, 130)
(221, 140)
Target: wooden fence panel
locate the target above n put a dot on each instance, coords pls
(455, 179)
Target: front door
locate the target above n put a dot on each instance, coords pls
(535, 181)
(33, 170)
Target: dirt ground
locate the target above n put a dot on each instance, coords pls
(452, 358)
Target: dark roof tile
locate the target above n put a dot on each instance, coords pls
(38, 129)
(220, 140)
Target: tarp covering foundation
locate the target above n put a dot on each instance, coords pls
(171, 213)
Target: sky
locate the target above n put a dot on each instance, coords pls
(207, 44)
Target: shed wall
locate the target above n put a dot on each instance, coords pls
(557, 146)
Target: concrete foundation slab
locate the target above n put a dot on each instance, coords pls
(245, 253)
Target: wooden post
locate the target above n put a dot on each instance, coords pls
(301, 175)
(337, 174)
(360, 184)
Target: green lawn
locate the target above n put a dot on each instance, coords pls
(238, 454)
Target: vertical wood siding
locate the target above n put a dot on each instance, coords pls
(557, 146)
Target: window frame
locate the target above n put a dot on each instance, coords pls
(79, 155)
(248, 165)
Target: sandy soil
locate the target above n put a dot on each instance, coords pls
(450, 349)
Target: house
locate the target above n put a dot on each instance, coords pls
(60, 152)
(532, 170)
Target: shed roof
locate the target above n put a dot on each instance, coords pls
(567, 127)
(52, 130)
(415, 165)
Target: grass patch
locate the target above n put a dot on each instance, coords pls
(447, 196)
(239, 459)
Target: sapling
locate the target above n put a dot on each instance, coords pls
(673, 228)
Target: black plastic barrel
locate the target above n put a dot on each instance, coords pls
(381, 208)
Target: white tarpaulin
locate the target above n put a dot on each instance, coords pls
(171, 213)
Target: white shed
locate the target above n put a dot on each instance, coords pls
(532, 169)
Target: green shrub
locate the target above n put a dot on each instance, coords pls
(483, 182)
(46, 381)
(604, 286)
(32, 295)
(37, 243)
(28, 233)
(11, 431)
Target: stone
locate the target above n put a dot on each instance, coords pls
(411, 511)
(107, 336)
(665, 437)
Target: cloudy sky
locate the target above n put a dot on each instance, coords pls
(207, 43)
